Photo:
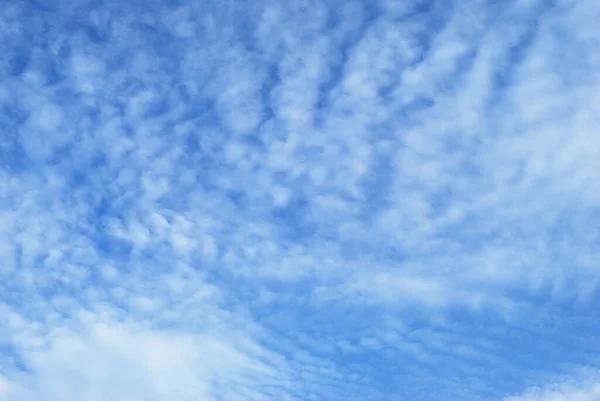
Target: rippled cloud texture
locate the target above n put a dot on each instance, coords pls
(306, 200)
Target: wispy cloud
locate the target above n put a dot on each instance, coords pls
(301, 200)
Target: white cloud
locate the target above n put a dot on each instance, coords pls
(586, 389)
(281, 189)
(125, 361)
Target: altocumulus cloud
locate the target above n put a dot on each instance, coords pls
(302, 200)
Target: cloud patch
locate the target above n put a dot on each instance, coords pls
(310, 200)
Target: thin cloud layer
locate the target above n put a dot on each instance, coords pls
(222, 201)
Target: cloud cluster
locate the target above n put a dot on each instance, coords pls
(226, 201)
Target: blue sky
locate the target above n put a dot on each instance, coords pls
(302, 200)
